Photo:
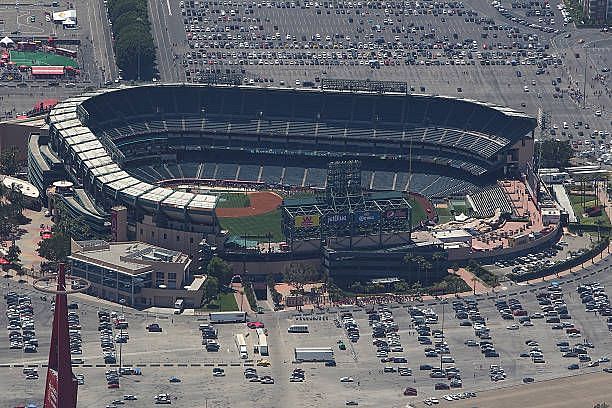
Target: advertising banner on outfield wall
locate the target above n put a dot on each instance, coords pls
(306, 221)
(396, 214)
(337, 219)
(366, 217)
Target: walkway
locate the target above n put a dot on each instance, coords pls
(472, 280)
(563, 199)
(241, 299)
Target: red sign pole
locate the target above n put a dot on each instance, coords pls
(61, 385)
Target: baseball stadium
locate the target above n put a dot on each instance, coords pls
(354, 167)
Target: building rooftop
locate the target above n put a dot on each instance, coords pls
(26, 189)
(129, 257)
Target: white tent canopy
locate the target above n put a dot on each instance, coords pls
(6, 41)
(461, 217)
(68, 22)
(64, 15)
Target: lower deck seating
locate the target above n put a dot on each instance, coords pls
(489, 199)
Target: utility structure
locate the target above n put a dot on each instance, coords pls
(61, 384)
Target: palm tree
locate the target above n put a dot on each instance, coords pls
(417, 289)
(436, 258)
(599, 223)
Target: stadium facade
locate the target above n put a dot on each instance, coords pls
(122, 146)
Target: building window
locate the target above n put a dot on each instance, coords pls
(171, 276)
(165, 236)
(159, 276)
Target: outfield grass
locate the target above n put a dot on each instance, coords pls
(30, 58)
(418, 212)
(590, 201)
(233, 200)
(255, 225)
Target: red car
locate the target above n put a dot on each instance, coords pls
(113, 385)
(255, 325)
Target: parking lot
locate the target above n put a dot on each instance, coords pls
(570, 246)
(178, 352)
(20, 91)
(514, 54)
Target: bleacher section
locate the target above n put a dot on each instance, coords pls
(287, 136)
(487, 200)
(478, 128)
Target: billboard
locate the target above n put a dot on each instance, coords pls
(306, 221)
(366, 217)
(398, 214)
(336, 219)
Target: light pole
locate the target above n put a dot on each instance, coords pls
(122, 301)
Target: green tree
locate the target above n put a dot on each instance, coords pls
(438, 260)
(76, 228)
(417, 289)
(554, 153)
(210, 288)
(13, 253)
(121, 7)
(401, 286)
(356, 287)
(56, 248)
(135, 53)
(221, 270)
(299, 274)
(9, 163)
(277, 298)
(15, 197)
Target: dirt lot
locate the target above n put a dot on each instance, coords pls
(571, 392)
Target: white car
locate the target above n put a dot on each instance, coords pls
(513, 327)
(346, 379)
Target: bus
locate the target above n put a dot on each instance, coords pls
(298, 328)
(179, 306)
(65, 52)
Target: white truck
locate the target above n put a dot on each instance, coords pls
(227, 317)
(179, 306)
(242, 346)
(314, 354)
(262, 342)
